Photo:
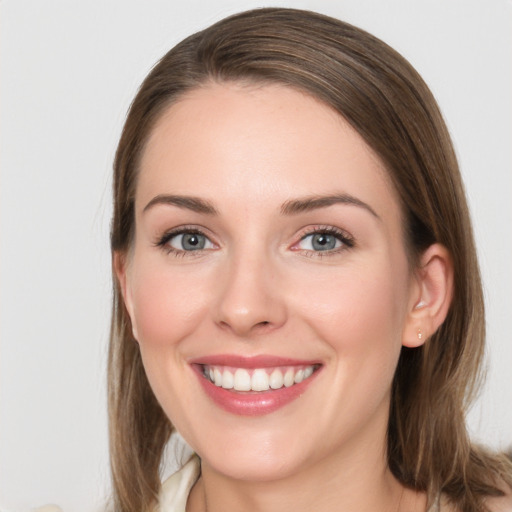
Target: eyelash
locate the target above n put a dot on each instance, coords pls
(163, 242)
(346, 240)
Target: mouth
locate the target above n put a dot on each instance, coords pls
(254, 386)
(258, 379)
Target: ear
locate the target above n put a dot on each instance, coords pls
(121, 270)
(431, 296)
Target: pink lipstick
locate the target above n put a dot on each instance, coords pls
(251, 386)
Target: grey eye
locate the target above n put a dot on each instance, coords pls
(190, 242)
(320, 242)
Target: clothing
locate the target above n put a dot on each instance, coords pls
(175, 490)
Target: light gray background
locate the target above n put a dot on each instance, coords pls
(69, 71)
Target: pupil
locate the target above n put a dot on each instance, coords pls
(193, 242)
(323, 242)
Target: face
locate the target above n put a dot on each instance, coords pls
(268, 284)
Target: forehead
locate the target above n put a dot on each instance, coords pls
(261, 143)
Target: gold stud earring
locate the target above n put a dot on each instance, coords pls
(420, 334)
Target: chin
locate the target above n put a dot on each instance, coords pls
(254, 467)
(260, 449)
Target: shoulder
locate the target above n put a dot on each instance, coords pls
(175, 490)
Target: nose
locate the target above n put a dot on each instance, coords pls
(250, 299)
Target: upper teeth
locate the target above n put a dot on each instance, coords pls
(261, 379)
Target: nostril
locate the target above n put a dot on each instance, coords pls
(247, 329)
(262, 326)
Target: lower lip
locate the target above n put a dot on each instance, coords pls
(253, 403)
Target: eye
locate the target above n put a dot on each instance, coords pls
(328, 240)
(320, 242)
(190, 242)
(185, 240)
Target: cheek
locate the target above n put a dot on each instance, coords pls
(359, 316)
(356, 301)
(359, 312)
(167, 305)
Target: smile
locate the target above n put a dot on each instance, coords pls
(254, 386)
(259, 379)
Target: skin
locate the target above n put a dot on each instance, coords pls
(259, 287)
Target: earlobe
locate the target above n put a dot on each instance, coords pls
(432, 296)
(121, 272)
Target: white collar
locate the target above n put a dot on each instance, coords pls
(175, 490)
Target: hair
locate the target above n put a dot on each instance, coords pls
(385, 100)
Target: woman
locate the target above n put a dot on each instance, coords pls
(296, 284)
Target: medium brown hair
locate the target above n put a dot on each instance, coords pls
(379, 93)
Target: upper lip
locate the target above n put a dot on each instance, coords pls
(259, 361)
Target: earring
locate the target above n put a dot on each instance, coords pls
(420, 334)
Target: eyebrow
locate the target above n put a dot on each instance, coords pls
(291, 207)
(307, 204)
(195, 204)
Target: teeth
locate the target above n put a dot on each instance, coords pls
(228, 380)
(261, 379)
(242, 380)
(289, 378)
(276, 379)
